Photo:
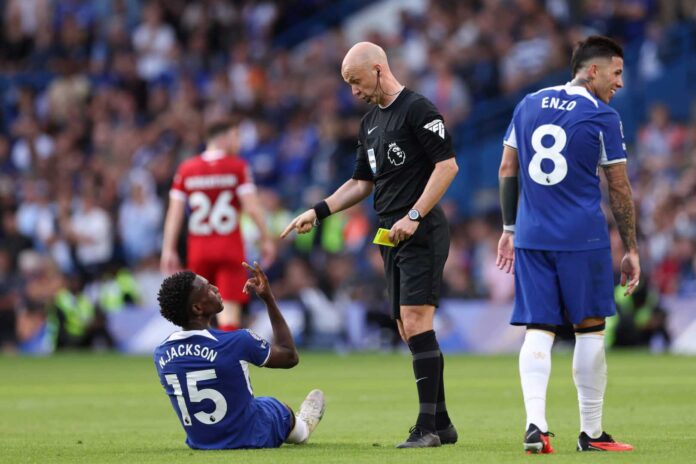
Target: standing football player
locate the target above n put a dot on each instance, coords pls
(216, 186)
(557, 239)
(205, 371)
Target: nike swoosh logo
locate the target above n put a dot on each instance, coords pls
(369, 131)
(422, 378)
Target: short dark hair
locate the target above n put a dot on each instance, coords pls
(174, 297)
(595, 46)
(219, 127)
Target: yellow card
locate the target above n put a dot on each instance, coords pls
(382, 238)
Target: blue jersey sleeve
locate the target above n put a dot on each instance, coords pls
(510, 139)
(253, 348)
(613, 147)
(511, 134)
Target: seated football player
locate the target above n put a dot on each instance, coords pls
(205, 371)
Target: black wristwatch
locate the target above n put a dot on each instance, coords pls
(415, 215)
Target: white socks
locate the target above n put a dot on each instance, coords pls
(299, 433)
(590, 375)
(535, 370)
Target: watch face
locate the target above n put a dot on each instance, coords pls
(413, 215)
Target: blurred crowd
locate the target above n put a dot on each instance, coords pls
(102, 100)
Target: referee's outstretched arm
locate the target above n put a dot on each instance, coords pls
(353, 191)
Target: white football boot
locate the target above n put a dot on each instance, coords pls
(312, 410)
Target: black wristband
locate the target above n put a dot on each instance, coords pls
(509, 194)
(322, 210)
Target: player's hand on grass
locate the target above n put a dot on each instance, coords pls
(170, 262)
(302, 223)
(258, 282)
(506, 253)
(630, 272)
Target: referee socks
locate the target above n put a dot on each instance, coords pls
(426, 368)
(442, 418)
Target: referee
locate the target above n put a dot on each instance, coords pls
(405, 154)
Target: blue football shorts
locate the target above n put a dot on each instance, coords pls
(272, 423)
(552, 287)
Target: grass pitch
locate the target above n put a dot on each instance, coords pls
(107, 408)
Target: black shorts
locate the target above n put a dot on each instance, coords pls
(414, 267)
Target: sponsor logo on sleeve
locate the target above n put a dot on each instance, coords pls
(436, 127)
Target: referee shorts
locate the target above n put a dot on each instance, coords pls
(414, 267)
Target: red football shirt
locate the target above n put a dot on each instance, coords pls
(211, 183)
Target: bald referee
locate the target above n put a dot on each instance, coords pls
(405, 154)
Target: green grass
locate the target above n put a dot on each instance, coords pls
(107, 408)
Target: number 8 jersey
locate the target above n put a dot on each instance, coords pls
(211, 184)
(562, 135)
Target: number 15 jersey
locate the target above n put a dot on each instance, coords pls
(562, 135)
(206, 375)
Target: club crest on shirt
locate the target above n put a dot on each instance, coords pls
(395, 154)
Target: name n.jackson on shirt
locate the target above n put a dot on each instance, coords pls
(187, 349)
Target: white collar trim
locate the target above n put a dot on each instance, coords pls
(582, 91)
(184, 334)
(572, 90)
(212, 155)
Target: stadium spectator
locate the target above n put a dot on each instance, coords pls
(659, 141)
(89, 230)
(140, 219)
(32, 146)
(73, 318)
(13, 240)
(404, 140)
(558, 244)
(7, 166)
(155, 44)
(9, 300)
(199, 352)
(640, 319)
(445, 89)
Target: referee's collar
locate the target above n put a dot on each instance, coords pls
(396, 97)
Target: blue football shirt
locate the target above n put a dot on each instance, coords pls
(562, 135)
(206, 375)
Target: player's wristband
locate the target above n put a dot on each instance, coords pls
(510, 228)
(322, 211)
(509, 193)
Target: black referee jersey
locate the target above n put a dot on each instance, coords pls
(398, 147)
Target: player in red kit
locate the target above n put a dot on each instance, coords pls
(215, 187)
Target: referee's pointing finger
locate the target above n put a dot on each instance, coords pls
(288, 229)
